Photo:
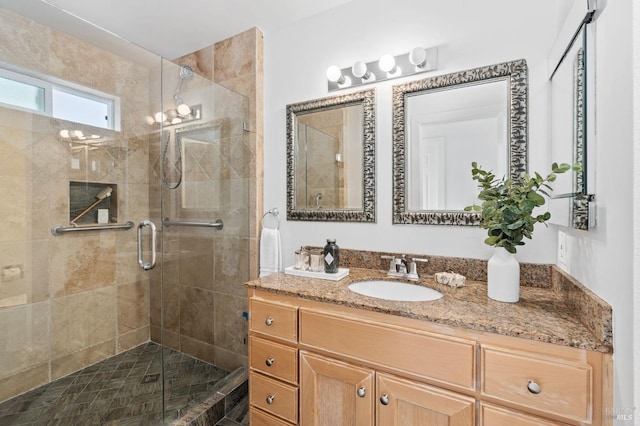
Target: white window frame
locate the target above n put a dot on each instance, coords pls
(49, 84)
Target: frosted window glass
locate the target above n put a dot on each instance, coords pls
(80, 109)
(21, 95)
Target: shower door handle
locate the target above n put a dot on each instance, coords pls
(144, 224)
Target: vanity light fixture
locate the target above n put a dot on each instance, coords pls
(418, 60)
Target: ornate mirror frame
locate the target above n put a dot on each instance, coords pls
(368, 212)
(516, 74)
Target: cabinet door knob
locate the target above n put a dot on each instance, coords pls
(384, 399)
(269, 362)
(270, 399)
(362, 392)
(269, 321)
(533, 387)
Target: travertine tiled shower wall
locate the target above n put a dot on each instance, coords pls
(205, 270)
(80, 297)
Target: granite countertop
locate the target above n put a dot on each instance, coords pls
(540, 315)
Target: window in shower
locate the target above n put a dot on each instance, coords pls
(60, 99)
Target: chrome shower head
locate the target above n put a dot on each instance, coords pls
(186, 73)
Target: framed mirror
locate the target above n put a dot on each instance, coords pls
(569, 119)
(331, 159)
(444, 123)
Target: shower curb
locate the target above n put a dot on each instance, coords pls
(231, 389)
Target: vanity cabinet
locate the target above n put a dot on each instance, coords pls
(314, 363)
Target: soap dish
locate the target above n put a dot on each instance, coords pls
(342, 272)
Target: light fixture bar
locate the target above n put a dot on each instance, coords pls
(417, 61)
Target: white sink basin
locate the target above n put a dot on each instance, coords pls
(393, 290)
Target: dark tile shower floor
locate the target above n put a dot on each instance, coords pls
(125, 389)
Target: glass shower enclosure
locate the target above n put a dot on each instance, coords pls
(124, 231)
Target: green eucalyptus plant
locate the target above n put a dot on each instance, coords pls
(507, 205)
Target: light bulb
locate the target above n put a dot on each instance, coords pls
(64, 133)
(184, 109)
(149, 119)
(160, 117)
(387, 63)
(95, 136)
(359, 69)
(176, 120)
(334, 75)
(172, 113)
(418, 57)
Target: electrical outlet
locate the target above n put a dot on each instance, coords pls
(562, 249)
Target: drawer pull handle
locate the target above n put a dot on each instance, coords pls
(269, 322)
(362, 392)
(270, 399)
(269, 362)
(533, 387)
(384, 399)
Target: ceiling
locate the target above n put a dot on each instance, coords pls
(169, 28)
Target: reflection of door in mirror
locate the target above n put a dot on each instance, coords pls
(328, 153)
(446, 131)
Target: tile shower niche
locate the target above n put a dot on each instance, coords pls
(91, 203)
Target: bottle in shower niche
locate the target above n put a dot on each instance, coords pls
(331, 255)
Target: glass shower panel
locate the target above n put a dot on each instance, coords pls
(74, 307)
(201, 176)
(86, 335)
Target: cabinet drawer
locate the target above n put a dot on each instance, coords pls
(565, 388)
(497, 416)
(275, 320)
(274, 359)
(274, 397)
(258, 418)
(443, 359)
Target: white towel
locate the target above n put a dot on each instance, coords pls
(270, 252)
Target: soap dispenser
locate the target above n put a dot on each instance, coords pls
(331, 254)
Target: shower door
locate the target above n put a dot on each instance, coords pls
(199, 200)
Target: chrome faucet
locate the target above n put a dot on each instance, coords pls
(403, 267)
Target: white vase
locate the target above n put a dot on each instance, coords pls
(503, 276)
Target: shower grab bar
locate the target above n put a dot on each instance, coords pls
(144, 224)
(60, 229)
(217, 224)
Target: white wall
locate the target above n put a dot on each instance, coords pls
(636, 205)
(602, 258)
(468, 34)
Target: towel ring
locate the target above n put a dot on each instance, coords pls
(273, 212)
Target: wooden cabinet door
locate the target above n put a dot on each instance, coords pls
(402, 402)
(334, 392)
